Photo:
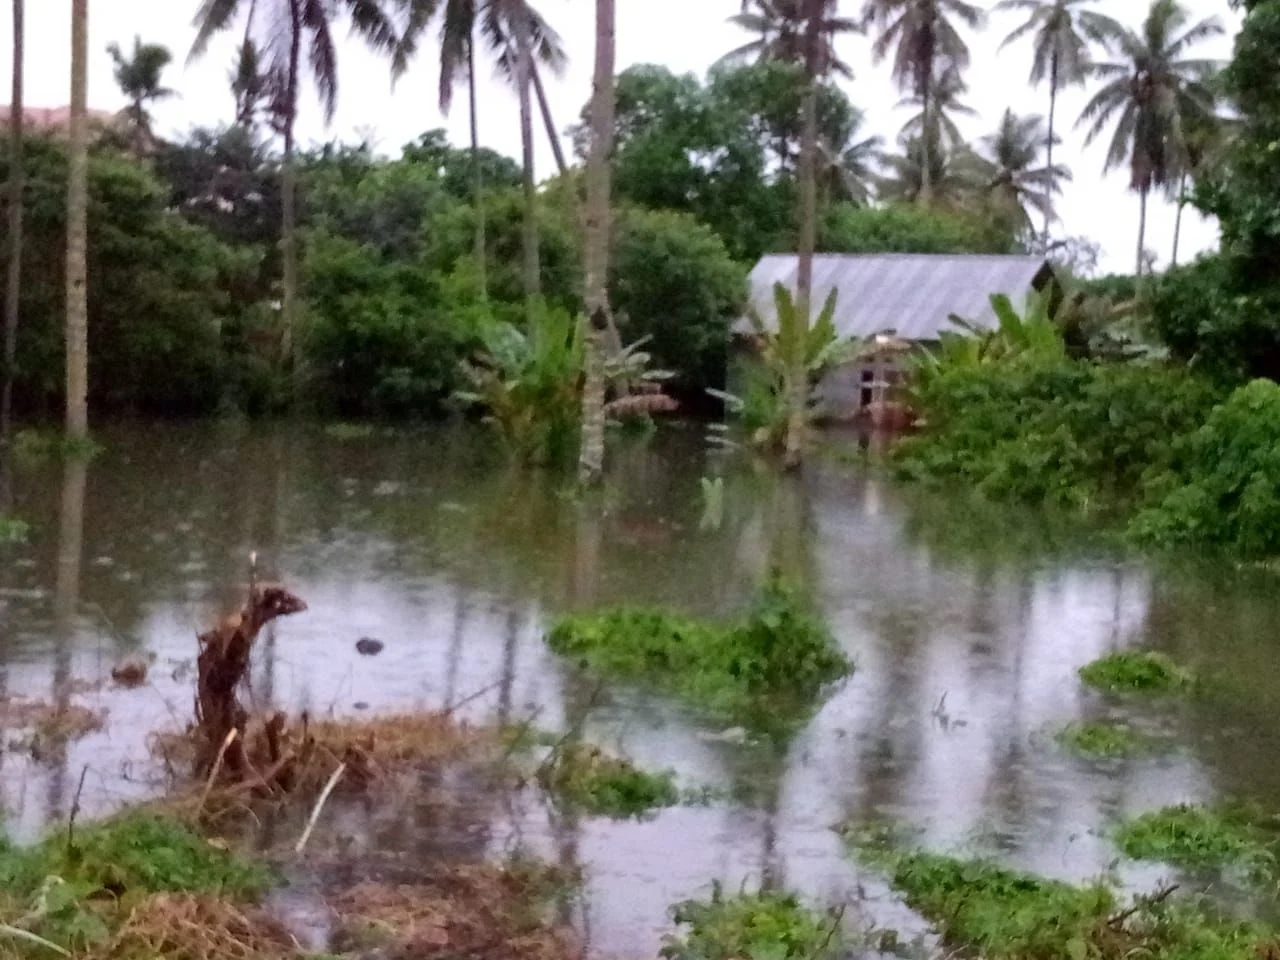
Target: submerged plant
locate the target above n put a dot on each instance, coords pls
(1201, 837)
(752, 926)
(1136, 671)
(1101, 739)
(589, 778)
(779, 655)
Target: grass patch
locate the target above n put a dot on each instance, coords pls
(755, 926)
(594, 781)
(1003, 914)
(1137, 671)
(1201, 837)
(1097, 738)
(778, 658)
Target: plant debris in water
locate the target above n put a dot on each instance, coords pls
(592, 780)
(1003, 914)
(1137, 671)
(1201, 837)
(780, 654)
(757, 926)
(47, 723)
(1100, 738)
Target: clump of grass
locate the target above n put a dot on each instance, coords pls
(1004, 914)
(184, 926)
(1137, 671)
(780, 656)
(588, 778)
(1201, 837)
(762, 925)
(1098, 738)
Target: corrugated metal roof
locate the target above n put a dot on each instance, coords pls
(910, 294)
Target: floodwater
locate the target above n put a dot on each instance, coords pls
(966, 626)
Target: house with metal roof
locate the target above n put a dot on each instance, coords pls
(895, 299)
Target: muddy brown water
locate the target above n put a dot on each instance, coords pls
(966, 625)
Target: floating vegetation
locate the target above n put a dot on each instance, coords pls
(13, 530)
(35, 445)
(762, 925)
(587, 777)
(349, 431)
(1199, 837)
(41, 724)
(1137, 671)
(1101, 738)
(1003, 914)
(780, 656)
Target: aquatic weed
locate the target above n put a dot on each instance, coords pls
(1100, 738)
(1137, 671)
(752, 926)
(587, 777)
(13, 530)
(1201, 837)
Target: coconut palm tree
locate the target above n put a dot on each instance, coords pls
(140, 77)
(77, 272)
(598, 231)
(940, 113)
(845, 168)
(926, 45)
(279, 36)
(1017, 185)
(1207, 137)
(1152, 93)
(779, 29)
(13, 277)
(955, 178)
(1060, 32)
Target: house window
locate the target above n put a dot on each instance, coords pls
(867, 393)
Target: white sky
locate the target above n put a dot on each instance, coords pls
(684, 35)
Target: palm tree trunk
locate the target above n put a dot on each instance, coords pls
(552, 136)
(798, 378)
(477, 171)
(1142, 229)
(290, 343)
(77, 228)
(926, 139)
(1053, 107)
(524, 62)
(597, 229)
(1177, 220)
(13, 280)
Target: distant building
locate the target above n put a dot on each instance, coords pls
(56, 120)
(893, 302)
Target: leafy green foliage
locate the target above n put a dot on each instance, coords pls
(907, 228)
(590, 779)
(1224, 491)
(752, 926)
(1201, 837)
(1136, 671)
(1101, 739)
(13, 530)
(779, 656)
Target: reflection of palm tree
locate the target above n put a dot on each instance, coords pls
(66, 600)
(460, 611)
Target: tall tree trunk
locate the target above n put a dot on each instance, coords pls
(1177, 220)
(290, 342)
(477, 171)
(798, 378)
(597, 229)
(1142, 229)
(77, 228)
(524, 63)
(552, 135)
(1053, 107)
(925, 197)
(13, 280)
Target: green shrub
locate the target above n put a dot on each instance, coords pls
(780, 655)
(904, 228)
(1225, 491)
(752, 926)
(590, 779)
(1199, 837)
(1136, 671)
(1100, 739)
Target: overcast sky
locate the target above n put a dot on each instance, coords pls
(684, 35)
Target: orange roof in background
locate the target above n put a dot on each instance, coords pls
(55, 118)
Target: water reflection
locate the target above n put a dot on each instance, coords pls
(966, 627)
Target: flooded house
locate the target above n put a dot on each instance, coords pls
(892, 303)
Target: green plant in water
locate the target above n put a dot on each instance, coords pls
(13, 530)
(1201, 837)
(712, 503)
(594, 781)
(36, 445)
(752, 926)
(1101, 739)
(779, 656)
(348, 431)
(1137, 671)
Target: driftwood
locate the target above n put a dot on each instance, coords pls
(223, 664)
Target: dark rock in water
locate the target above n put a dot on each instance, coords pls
(369, 647)
(132, 673)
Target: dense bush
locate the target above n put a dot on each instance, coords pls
(903, 228)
